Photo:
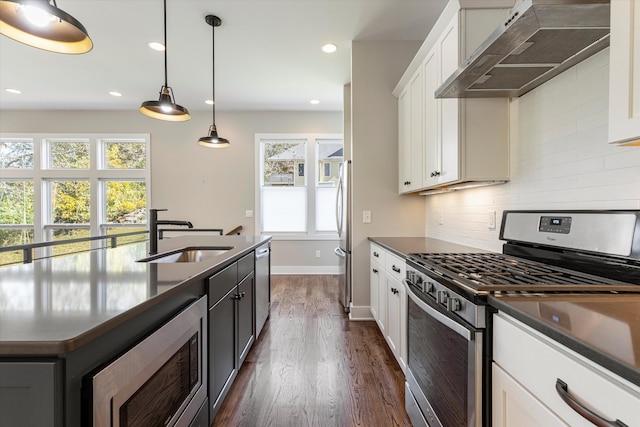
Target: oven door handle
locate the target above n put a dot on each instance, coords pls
(449, 323)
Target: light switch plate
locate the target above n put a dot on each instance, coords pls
(491, 220)
(440, 217)
(366, 217)
(248, 214)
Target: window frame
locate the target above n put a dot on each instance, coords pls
(43, 174)
(311, 175)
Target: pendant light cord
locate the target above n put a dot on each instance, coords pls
(166, 85)
(213, 71)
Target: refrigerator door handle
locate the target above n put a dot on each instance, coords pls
(340, 252)
(339, 206)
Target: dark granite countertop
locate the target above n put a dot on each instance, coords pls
(57, 305)
(402, 246)
(602, 328)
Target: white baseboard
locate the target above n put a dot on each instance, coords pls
(305, 269)
(360, 313)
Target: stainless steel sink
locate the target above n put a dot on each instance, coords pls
(190, 254)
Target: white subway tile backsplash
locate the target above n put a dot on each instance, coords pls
(559, 159)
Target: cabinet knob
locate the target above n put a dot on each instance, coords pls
(375, 254)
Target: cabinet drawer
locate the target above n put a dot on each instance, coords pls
(221, 283)
(377, 254)
(245, 266)
(395, 266)
(537, 362)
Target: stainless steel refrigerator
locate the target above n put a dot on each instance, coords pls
(343, 221)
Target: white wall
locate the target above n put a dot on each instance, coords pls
(560, 159)
(376, 68)
(210, 187)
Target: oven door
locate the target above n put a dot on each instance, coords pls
(445, 366)
(160, 381)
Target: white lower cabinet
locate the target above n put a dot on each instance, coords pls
(389, 300)
(530, 371)
(514, 405)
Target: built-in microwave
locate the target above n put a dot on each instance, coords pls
(159, 381)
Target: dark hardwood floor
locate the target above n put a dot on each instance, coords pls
(311, 366)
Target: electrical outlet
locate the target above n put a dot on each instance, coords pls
(366, 217)
(440, 217)
(248, 214)
(317, 254)
(491, 220)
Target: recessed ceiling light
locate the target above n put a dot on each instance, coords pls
(209, 101)
(156, 46)
(114, 93)
(329, 48)
(16, 91)
(314, 101)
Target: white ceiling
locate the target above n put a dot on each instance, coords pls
(267, 53)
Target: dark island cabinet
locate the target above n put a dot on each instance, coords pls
(231, 326)
(31, 393)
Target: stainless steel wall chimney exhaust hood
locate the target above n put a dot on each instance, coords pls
(539, 40)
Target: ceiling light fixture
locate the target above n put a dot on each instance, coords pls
(329, 48)
(165, 108)
(314, 102)
(115, 93)
(213, 140)
(39, 23)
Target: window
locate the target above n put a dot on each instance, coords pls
(289, 202)
(58, 187)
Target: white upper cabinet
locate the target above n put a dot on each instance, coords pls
(410, 126)
(624, 73)
(462, 140)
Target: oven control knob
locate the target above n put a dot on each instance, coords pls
(429, 288)
(441, 297)
(453, 304)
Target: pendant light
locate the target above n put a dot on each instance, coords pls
(165, 108)
(213, 140)
(39, 23)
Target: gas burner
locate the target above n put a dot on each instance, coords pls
(493, 272)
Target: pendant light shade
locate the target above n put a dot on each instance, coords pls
(212, 140)
(39, 23)
(165, 108)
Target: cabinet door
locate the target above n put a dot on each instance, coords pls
(402, 298)
(431, 120)
(624, 72)
(31, 393)
(404, 140)
(245, 320)
(375, 274)
(222, 349)
(515, 406)
(410, 108)
(393, 315)
(449, 52)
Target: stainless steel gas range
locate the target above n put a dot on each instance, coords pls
(449, 321)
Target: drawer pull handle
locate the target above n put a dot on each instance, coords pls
(396, 269)
(563, 391)
(375, 271)
(375, 254)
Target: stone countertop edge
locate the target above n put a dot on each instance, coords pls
(625, 371)
(53, 348)
(403, 246)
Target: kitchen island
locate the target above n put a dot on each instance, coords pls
(77, 312)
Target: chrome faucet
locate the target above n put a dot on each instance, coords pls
(153, 228)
